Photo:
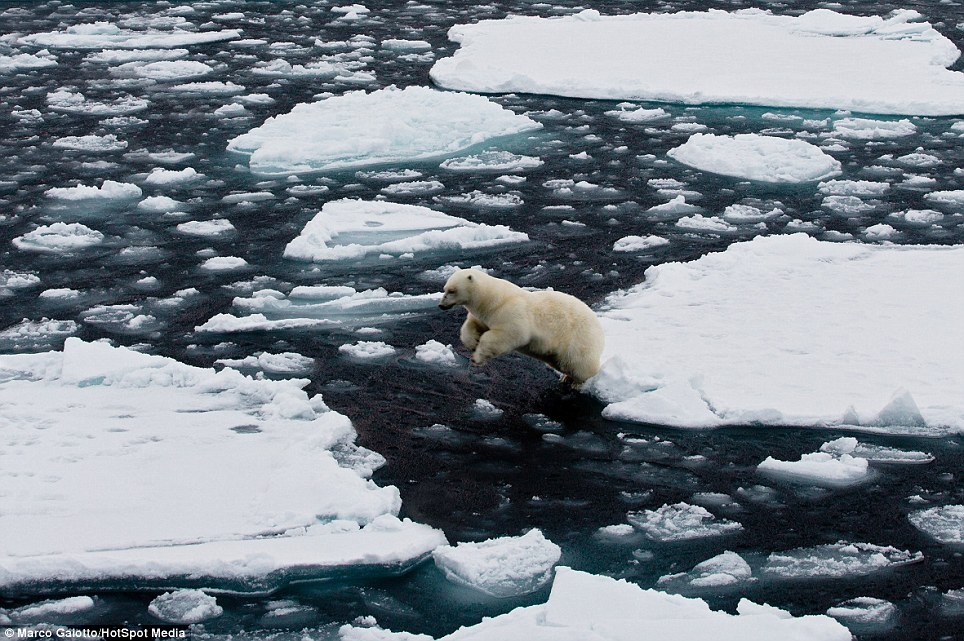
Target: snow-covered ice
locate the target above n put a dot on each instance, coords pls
(59, 238)
(504, 567)
(106, 35)
(639, 243)
(353, 229)
(755, 157)
(225, 481)
(835, 465)
(433, 352)
(588, 607)
(681, 522)
(944, 523)
(492, 161)
(185, 607)
(416, 123)
(756, 334)
(368, 350)
(722, 570)
(836, 560)
(109, 190)
(320, 306)
(894, 65)
(864, 613)
(866, 129)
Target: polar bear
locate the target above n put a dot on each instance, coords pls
(556, 328)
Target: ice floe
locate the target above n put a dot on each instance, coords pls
(830, 467)
(91, 143)
(589, 607)
(681, 522)
(503, 567)
(836, 560)
(21, 62)
(756, 157)
(864, 614)
(494, 161)
(209, 228)
(866, 129)
(368, 350)
(320, 306)
(414, 123)
(106, 35)
(894, 65)
(354, 229)
(109, 190)
(754, 335)
(433, 352)
(185, 607)
(148, 503)
(945, 523)
(59, 238)
(639, 243)
(724, 570)
(286, 363)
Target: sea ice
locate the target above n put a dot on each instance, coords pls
(414, 123)
(504, 567)
(31, 336)
(895, 65)
(224, 263)
(48, 611)
(833, 466)
(864, 613)
(639, 243)
(74, 102)
(109, 190)
(953, 198)
(711, 224)
(723, 570)
(18, 63)
(91, 143)
(209, 228)
(492, 161)
(681, 522)
(105, 35)
(185, 607)
(587, 607)
(59, 238)
(368, 350)
(353, 229)
(944, 523)
(287, 363)
(221, 481)
(163, 70)
(754, 335)
(836, 561)
(756, 157)
(865, 129)
(436, 353)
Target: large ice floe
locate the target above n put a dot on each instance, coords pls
(353, 229)
(586, 607)
(164, 474)
(755, 157)
(358, 129)
(822, 59)
(765, 333)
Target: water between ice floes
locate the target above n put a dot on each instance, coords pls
(550, 462)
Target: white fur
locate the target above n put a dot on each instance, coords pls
(556, 328)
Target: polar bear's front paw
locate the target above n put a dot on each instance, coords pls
(478, 359)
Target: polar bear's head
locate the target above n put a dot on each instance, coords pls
(459, 288)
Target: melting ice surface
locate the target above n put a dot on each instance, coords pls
(124, 217)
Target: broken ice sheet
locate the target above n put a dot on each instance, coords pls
(836, 560)
(944, 523)
(681, 522)
(319, 306)
(724, 570)
(355, 229)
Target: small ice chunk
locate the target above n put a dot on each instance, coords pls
(639, 115)
(91, 143)
(711, 224)
(485, 410)
(836, 560)
(216, 227)
(283, 363)
(856, 188)
(864, 613)
(435, 353)
(224, 263)
(866, 129)
(726, 569)
(756, 157)
(681, 522)
(880, 231)
(185, 607)
(52, 611)
(480, 199)
(109, 190)
(503, 567)
(675, 207)
(367, 350)
(59, 237)
(160, 204)
(944, 523)
(165, 177)
(492, 161)
(741, 214)
(833, 466)
(953, 198)
(639, 243)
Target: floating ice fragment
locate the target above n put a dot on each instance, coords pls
(864, 613)
(954, 198)
(502, 567)
(224, 263)
(353, 229)
(160, 204)
(288, 363)
(483, 200)
(639, 115)
(91, 143)
(874, 453)
(414, 123)
(163, 70)
(368, 350)
(681, 522)
(216, 227)
(892, 65)
(698, 222)
(109, 190)
(901, 410)
(742, 214)
(185, 607)
(435, 353)
(21, 62)
(756, 157)
(836, 560)
(32, 336)
(59, 237)
(104, 35)
(166, 177)
(865, 129)
(881, 231)
(945, 523)
(492, 161)
(485, 410)
(723, 570)
(855, 188)
(51, 611)
(75, 102)
(639, 243)
(413, 188)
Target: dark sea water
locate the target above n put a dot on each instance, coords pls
(551, 461)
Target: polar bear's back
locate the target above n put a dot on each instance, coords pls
(566, 328)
